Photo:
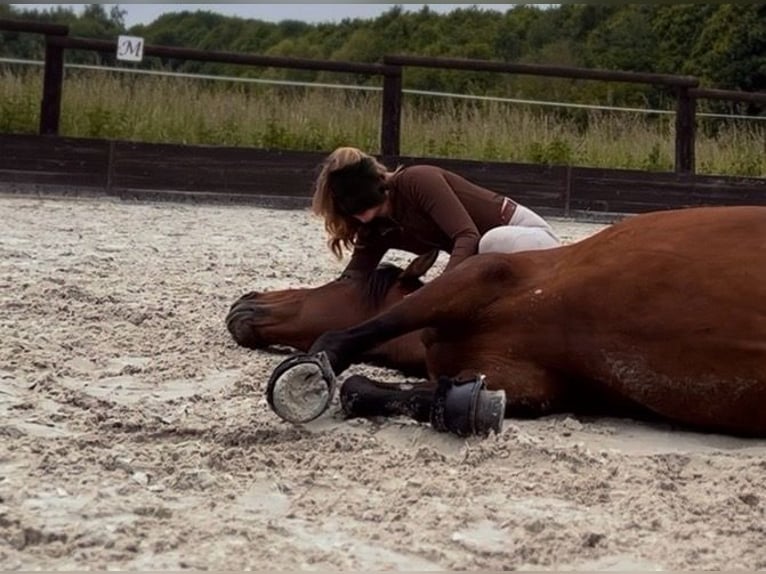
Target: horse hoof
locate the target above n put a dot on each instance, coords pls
(301, 387)
(490, 412)
(467, 408)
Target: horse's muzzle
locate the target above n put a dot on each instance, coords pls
(242, 320)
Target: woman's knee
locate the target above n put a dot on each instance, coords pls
(497, 240)
(512, 239)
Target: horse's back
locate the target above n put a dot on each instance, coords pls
(694, 234)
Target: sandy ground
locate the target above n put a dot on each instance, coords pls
(135, 434)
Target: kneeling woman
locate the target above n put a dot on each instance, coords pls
(368, 209)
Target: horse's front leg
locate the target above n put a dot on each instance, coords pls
(446, 302)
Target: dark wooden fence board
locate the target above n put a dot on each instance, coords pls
(49, 178)
(631, 191)
(39, 159)
(731, 188)
(211, 169)
(282, 178)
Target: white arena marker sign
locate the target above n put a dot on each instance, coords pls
(130, 48)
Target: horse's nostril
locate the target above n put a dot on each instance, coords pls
(250, 296)
(246, 298)
(242, 323)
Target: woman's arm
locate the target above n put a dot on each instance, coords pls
(364, 259)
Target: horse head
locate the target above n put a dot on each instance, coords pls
(297, 317)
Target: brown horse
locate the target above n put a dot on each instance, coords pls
(296, 317)
(664, 312)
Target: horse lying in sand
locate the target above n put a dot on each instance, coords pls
(663, 312)
(297, 317)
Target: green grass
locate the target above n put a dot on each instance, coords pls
(173, 110)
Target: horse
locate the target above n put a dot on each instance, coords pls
(296, 317)
(662, 313)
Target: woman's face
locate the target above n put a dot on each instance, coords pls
(380, 210)
(369, 214)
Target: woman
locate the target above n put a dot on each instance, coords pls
(369, 210)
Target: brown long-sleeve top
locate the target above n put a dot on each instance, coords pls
(431, 208)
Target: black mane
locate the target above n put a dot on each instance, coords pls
(380, 281)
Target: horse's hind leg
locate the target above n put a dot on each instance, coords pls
(363, 397)
(460, 406)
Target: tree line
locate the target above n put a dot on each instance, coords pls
(722, 44)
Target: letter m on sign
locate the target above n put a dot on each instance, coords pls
(130, 48)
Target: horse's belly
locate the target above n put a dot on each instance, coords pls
(451, 358)
(719, 390)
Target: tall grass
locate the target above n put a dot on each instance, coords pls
(19, 101)
(190, 111)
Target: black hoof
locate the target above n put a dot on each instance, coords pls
(467, 408)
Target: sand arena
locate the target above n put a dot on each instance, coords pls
(135, 434)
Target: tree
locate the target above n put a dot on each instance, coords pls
(725, 45)
(731, 50)
(676, 30)
(625, 41)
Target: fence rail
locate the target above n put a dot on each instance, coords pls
(405, 91)
(686, 87)
(33, 27)
(542, 70)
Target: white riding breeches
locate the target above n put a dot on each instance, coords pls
(526, 231)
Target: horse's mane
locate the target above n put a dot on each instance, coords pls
(380, 281)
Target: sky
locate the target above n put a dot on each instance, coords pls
(312, 13)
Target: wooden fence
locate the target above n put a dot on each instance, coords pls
(687, 89)
(50, 163)
(61, 165)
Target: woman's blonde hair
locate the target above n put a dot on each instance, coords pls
(341, 229)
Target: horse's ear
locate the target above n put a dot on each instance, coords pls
(420, 265)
